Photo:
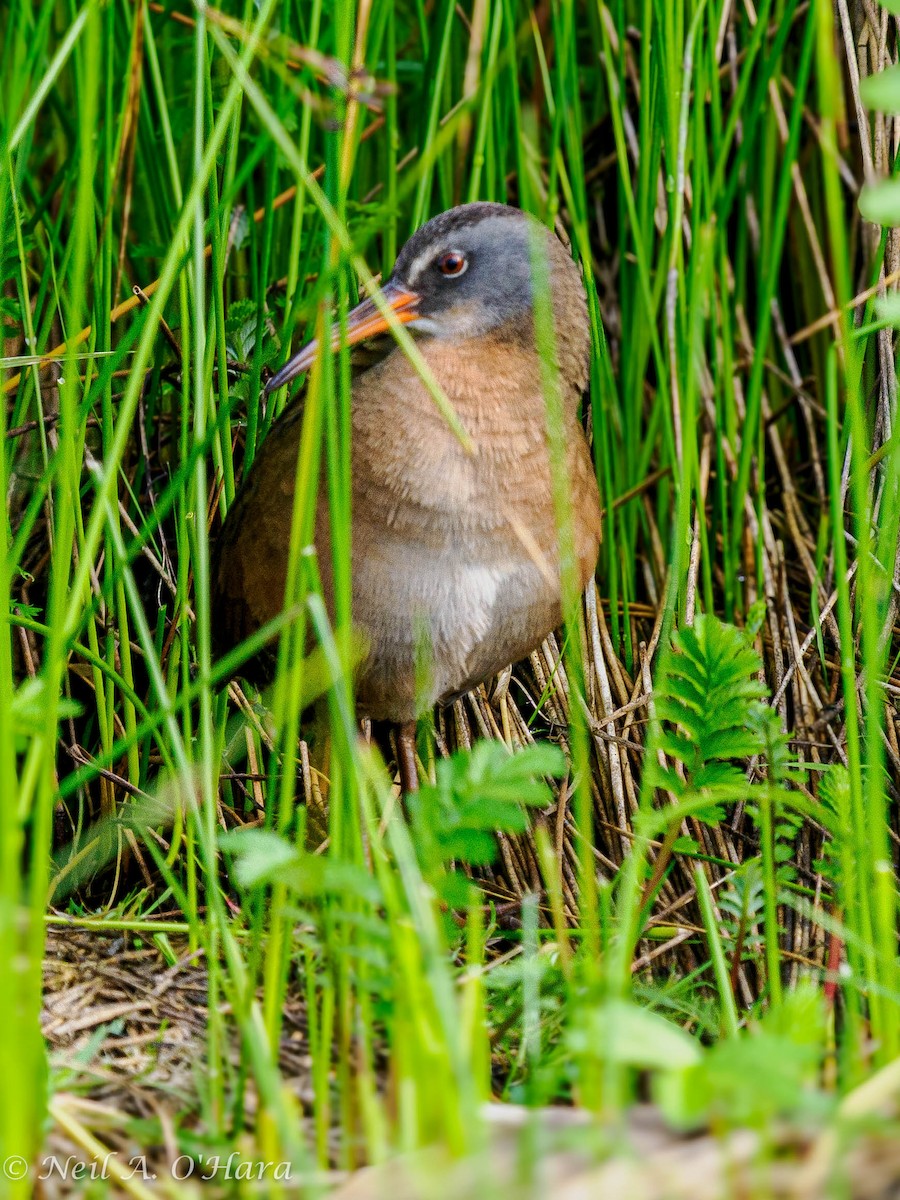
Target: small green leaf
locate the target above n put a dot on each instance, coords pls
(471, 846)
(887, 308)
(258, 853)
(29, 705)
(479, 793)
(882, 90)
(262, 856)
(622, 1032)
(458, 891)
(755, 617)
(685, 845)
(683, 1096)
(880, 202)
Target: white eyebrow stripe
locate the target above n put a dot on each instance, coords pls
(419, 262)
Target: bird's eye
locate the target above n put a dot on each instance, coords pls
(454, 262)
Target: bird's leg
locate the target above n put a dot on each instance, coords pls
(406, 757)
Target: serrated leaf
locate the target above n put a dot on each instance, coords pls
(543, 758)
(710, 814)
(457, 891)
(719, 776)
(834, 789)
(471, 846)
(685, 845)
(478, 793)
(731, 743)
(665, 778)
(672, 708)
(678, 745)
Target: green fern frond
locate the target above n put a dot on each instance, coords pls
(833, 814)
(712, 684)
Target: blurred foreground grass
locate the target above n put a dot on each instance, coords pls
(723, 924)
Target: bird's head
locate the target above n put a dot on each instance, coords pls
(470, 272)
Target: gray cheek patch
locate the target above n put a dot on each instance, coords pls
(456, 321)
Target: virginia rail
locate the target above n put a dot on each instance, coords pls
(459, 547)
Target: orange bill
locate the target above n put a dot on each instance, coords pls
(364, 321)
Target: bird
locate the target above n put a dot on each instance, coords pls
(459, 547)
